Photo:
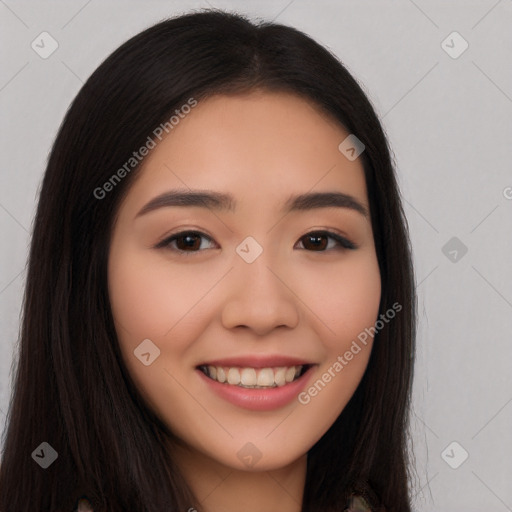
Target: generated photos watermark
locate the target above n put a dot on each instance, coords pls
(343, 360)
(137, 156)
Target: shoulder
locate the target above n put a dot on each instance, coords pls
(358, 503)
(363, 499)
(83, 506)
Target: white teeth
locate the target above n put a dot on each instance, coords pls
(279, 376)
(233, 376)
(248, 377)
(221, 374)
(289, 375)
(253, 377)
(266, 377)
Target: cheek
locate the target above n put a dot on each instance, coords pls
(151, 298)
(345, 298)
(347, 302)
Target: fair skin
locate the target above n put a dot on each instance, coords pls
(297, 298)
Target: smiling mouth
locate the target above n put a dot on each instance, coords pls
(254, 378)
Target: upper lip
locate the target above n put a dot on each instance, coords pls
(257, 361)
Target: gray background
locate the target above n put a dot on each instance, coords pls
(449, 121)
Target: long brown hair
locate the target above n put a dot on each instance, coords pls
(71, 388)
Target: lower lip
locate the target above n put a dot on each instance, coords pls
(259, 399)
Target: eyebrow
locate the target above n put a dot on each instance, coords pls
(226, 202)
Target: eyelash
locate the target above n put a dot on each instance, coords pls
(343, 243)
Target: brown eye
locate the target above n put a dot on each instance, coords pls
(317, 241)
(189, 242)
(184, 242)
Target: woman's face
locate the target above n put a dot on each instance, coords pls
(258, 291)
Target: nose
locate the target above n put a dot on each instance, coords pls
(260, 298)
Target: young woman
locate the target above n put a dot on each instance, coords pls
(220, 307)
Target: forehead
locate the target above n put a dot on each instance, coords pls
(259, 146)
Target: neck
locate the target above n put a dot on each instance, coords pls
(221, 488)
